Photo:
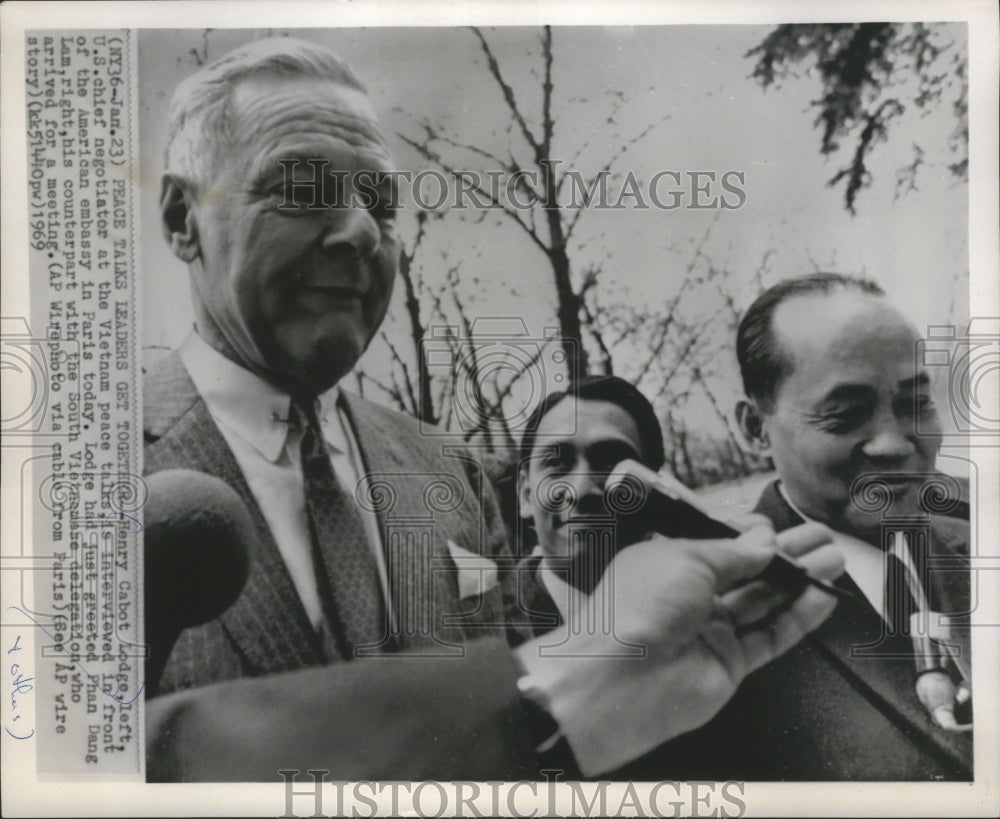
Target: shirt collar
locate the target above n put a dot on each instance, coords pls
(561, 593)
(838, 535)
(794, 508)
(249, 406)
(863, 562)
(333, 422)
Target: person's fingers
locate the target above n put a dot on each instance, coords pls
(758, 599)
(824, 563)
(775, 635)
(735, 561)
(753, 602)
(802, 539)
(750, 520)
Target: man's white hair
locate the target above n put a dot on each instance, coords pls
(199, 119)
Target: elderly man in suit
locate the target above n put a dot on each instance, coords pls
(350, 649)
(287, 294)
(834, 398)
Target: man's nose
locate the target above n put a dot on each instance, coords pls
(352, 230)
(588, 486)
(891, 440)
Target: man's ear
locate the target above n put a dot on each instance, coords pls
(524, 505)
(180, 228)
(751, 424)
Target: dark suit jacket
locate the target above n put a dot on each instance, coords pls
(399, 718)
(535, 608)
(820, 714)
(440, 697)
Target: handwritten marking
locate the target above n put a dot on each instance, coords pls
(126, 515)
(92, 677)
(22, 686)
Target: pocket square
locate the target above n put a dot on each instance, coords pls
(476, 574)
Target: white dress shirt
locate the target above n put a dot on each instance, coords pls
(864, 563)
(253, 418)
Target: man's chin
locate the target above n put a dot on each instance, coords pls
(319, 363)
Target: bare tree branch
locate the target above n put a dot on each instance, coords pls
(611, 161)
(547, 124)
(424, 405)
(407, 381)
(392, 392)
(425, 151)
(508, 92)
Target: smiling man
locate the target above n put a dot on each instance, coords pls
(834, 397)
(277, 195)
(837, 400)
(573, 441)
(292, 292)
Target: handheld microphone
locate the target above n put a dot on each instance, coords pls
(662, 504)
(198, 540)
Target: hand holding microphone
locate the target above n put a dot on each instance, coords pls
(644, 502)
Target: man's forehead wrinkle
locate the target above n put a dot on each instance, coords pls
(316, 146)
(259, 115)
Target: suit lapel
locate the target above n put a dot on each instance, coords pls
(853, 641)
(421, 593)
(267, 621)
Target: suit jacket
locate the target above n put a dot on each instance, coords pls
(424, 500)
(821, 712)
(399, 718)
(535, 608)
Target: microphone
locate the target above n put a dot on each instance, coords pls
(645, 502)
(198, 540)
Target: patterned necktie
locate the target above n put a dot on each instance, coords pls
(346, 574)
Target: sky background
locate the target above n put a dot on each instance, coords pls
(715, 116)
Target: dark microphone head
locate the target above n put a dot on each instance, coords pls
(198, 541)
(657, 502)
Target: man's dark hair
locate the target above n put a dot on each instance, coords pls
(616, 391)
(762, 364)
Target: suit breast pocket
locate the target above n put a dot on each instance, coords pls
(478, 609)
